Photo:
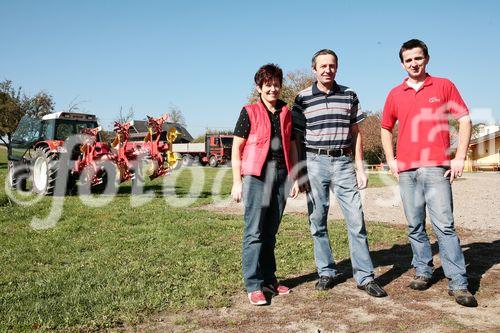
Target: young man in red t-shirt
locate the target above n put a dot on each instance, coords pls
(422, 105)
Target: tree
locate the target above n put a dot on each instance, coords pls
(454, 126)
(125, 117)
(75, 106)
(293, 83)
(176, 115)
(14, 104)
(372, 143)
(201, 138)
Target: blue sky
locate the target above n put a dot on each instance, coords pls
(201, 56)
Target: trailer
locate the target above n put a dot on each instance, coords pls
(216, 150)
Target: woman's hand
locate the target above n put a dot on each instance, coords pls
(237, 190)
(294, 191)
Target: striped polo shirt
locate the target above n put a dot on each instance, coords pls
(324, 119)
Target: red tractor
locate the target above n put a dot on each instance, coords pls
(37, 148)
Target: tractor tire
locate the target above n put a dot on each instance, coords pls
(187, 160)
(45, 167)
(213, 162)
(17, 176)
(108, 175)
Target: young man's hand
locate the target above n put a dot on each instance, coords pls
(456, 169)
(361, 179)
(237, 191)
(393, 166)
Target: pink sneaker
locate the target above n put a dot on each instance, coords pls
(282, 290)
(278, 289)
(257, 298)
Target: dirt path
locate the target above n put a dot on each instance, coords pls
(346, 309)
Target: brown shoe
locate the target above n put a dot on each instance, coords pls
(463, 297)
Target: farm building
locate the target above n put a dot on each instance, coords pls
(484, 153)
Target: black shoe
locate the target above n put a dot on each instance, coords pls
(463, 297)
(325, 282)
(373, 289)
(420, 283)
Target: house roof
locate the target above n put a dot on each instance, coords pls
(141, 127)
(487, 137)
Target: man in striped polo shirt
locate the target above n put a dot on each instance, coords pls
(326, 117)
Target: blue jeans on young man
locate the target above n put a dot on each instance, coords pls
(264, 199)
(337, 174)
(427, 187)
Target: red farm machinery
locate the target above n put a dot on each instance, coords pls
(42, 151)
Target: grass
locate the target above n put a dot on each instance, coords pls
(3, 155)
(103, 267)
(3, 173)
(380, 179)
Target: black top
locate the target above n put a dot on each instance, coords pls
(242, 129)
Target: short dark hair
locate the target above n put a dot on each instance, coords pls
(411, 44)
(324, 52)
(267, 73)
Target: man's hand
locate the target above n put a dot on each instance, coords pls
(456, 169)
(304, 185)
(393, 166)
(237, 190)
(294, 191)
(361, 179)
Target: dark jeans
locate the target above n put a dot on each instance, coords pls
(264, 199)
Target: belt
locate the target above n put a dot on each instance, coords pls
(330, 152)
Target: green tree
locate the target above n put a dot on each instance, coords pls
(14, 105)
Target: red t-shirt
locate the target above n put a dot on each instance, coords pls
(423, 133)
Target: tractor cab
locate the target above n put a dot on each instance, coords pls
(52, 128)
(60, 126)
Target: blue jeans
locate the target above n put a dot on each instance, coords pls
(264, 199)
(337, 174)
(427, 187)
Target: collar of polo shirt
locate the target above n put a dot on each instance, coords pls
(316, 91)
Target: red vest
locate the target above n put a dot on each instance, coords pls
(258, 141)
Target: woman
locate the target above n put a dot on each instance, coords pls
(263, 155)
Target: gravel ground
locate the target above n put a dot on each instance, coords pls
(476, 205)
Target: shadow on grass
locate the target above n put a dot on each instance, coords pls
(163, 191)
(479, 257)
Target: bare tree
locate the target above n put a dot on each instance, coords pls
(124, 117)
(293, 83)
(75, 106)
(176, 115)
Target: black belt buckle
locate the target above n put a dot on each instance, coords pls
(335, 152)
(329, 152)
